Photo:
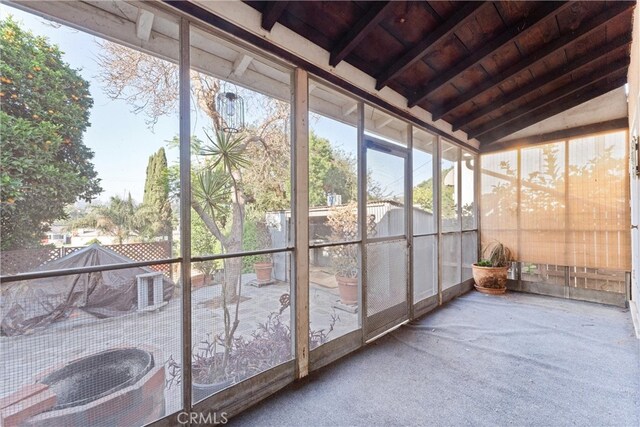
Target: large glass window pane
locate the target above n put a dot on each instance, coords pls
(424, 219)
(333, 148)
(239, 331)
(385, 194)
(451, 262)
(467, 190)
(65, 179)
(241, 166)
(449, 186)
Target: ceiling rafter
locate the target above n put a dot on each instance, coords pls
(569, 102)
(413, 55)
(359, 31)
(562, 42)
(434, 14)
(272, 12)
(551, 97)
(546, 11)
(550, 77)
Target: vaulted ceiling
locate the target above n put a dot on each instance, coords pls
(488, 68)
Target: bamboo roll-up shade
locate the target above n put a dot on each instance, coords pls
(563, 203)
(499, 199)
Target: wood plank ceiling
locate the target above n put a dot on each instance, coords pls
(488, 68)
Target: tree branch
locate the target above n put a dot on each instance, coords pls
(209, 222)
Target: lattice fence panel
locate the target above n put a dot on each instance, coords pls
(25, 260)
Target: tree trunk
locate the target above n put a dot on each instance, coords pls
(232, 276)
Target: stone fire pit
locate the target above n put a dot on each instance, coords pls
(123, 386)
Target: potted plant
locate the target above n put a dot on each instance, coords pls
(490, 273)
(263, 264)
(268, 346)
(345, 262)
(343, 222)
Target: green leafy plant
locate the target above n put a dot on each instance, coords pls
(46, 165)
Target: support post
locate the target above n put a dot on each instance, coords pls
(185, 209)
(409, 219)
(437, 202)
(362, 220)
(300, 150)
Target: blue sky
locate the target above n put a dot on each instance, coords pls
(121, 140)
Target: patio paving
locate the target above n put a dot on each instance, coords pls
(481, 360)
(82, 334)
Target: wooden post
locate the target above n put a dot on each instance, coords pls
(300, 186)
(185, 209)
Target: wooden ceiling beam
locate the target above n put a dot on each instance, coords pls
(272, 12)
(553, 76)
(587, 28)
(564, 91)
(548, 10)
(413, 55)
(559, 135)
(567, 103)
(434, 13)
(359, 31)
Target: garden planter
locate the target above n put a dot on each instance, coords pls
(490, 280)
(202, 391)
(348, 289)
(263, 271)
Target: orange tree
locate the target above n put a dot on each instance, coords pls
(44, 112)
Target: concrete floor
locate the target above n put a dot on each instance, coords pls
(516, 359)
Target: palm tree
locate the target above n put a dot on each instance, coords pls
(118, 218)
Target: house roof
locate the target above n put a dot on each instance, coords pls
(488, 68)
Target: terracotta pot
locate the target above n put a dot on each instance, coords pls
(263, 271)
(348, 289)
(490, 280)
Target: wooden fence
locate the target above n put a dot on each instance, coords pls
(25, 260)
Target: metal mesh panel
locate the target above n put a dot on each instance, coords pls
(333, 292)
(469, 253)
(254, 298)
(450, 260)
(386, 275)
(96, 346)
(425, 271)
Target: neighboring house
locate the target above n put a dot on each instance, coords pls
(58, 236)
(82, 237)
